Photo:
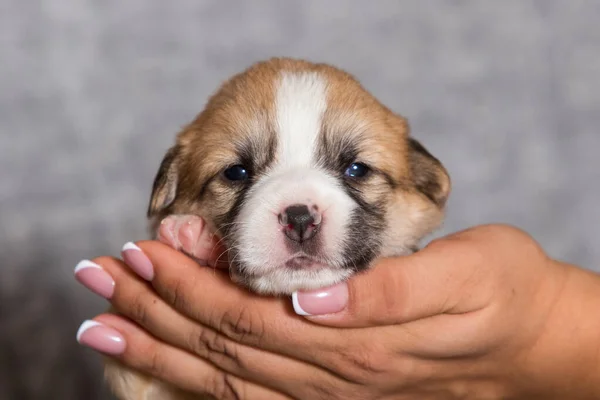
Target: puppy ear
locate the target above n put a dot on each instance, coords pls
(164, 188)
(429, 175)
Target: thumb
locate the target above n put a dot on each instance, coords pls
(444, 277)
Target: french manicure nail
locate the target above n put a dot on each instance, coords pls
(137, 261)
(100, 337)
(93, 277)
(328, 300)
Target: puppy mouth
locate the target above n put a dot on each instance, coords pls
(299, 270)
(301, 261)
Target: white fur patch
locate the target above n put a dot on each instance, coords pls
(300, 102)
(294, 178)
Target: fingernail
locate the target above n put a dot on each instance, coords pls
(100, 337)
(137, 261)
(322, 301)
(93, 277)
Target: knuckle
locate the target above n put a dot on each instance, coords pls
(204, 343)
(234, 387)
(149, 359)
(215, 347)
(230, 351)
(223, 386)
(197, 341)
(333, 391)
(364, 364)
(325, 391)
(242, 325)
(155, 364)
(501, 230)
(177, 297)
(138, 309)
(498, 241)
(512, 237)
(465, 244)
(176, 291)
(503, 235)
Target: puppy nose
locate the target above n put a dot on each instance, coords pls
(300, 225)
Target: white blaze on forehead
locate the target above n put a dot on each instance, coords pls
(300, 102)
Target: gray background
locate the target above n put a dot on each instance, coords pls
(506, 93)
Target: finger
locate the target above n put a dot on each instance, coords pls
(450, 276)
(146, 354)
(136, 300)
(210, 298)
(190, 234)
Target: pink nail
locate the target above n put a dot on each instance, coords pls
(322, 301)
(100, 337)
(137, 261)
(93, 277)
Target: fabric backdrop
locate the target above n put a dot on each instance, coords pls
(506, 93)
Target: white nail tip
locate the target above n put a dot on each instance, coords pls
(83, 264)
(130, 246)
(85, 326)
(297, 308)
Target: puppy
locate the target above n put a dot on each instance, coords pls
(305, 176)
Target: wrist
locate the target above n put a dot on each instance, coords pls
(564, 360)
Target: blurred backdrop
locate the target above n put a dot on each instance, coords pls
(506, 93)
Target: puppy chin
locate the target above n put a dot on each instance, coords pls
(285, 281)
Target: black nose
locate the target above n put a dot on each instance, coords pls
(300, 224)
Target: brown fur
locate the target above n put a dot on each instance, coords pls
(207, 144)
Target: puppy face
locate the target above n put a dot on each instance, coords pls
(305, 176)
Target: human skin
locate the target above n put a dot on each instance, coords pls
(480, 314)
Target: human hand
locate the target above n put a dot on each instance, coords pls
(467, 317)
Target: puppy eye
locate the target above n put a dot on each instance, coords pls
(357, 170)
(236, 173)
